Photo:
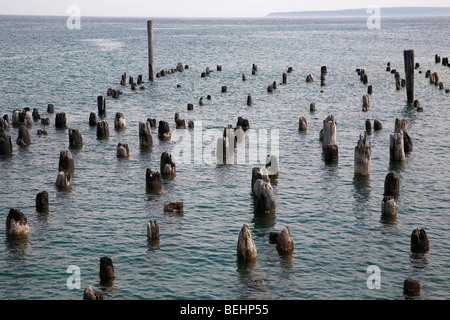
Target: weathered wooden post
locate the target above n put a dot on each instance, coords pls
(366, 102)
(388, 208)
(92, 119)
(411, 287)
(396, 148)
(153, 180)
(362, 156)
(101, 106)
(42, 201)
(23, 138)
(145, 134)
(6, 147)
(102, 129)
(122, 150)
(249, 100)
(167, 166)
(329, 146)
(302, 124)
(106, 271)
(150, 50)
(16, 223)
(419, 241)
(368, 126)
(409, 73)
(246, 249)
(391, 184)
(90, 294)
(283, 240)
(75, 138)
(152, 230)
(401, 125)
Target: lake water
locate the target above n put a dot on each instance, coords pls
(334, 218)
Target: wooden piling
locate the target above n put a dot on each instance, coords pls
(153, 180)
(101, 106)
(6, 147)
(246, 249)
(150, 50)
(106, 271)
(75, 138)
(302, 124)
(391, 184)
(42, 201)
(152, 230)
(419, 241)
(362, 156)
(145, 134)
(388, 208)
(409, 73)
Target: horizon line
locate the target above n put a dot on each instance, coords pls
(267, 15)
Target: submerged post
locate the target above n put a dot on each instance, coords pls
(150, 50)
(409, 73)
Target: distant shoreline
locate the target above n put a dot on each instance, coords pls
(366, 12)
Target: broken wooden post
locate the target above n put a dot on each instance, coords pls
(411, 287)
(401, 125)
(150, 50)
(152, 230)
(396, 149)
(122, 150)
(388, 208)
(283, 239)
(167, 166)
(23, 138)
(92, 119)
(120, 122)
(102, 129)
(302, 124)
(263, 197)
(75, 138)
(366, 102)
(106, 271)
(246, 249)
(145, 134)
(60, 120)
(391, 184)
(329, 146)
(66, 161)
(419, 241)
(16, 223)
(5, 143)
(362, 156)
(409, 73)
(90, 294)
(164, 130)
(153, 180)
(42, 201)
(101, 106)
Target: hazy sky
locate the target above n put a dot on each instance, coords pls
(195, 8)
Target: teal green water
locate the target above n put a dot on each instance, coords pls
(334, 217)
